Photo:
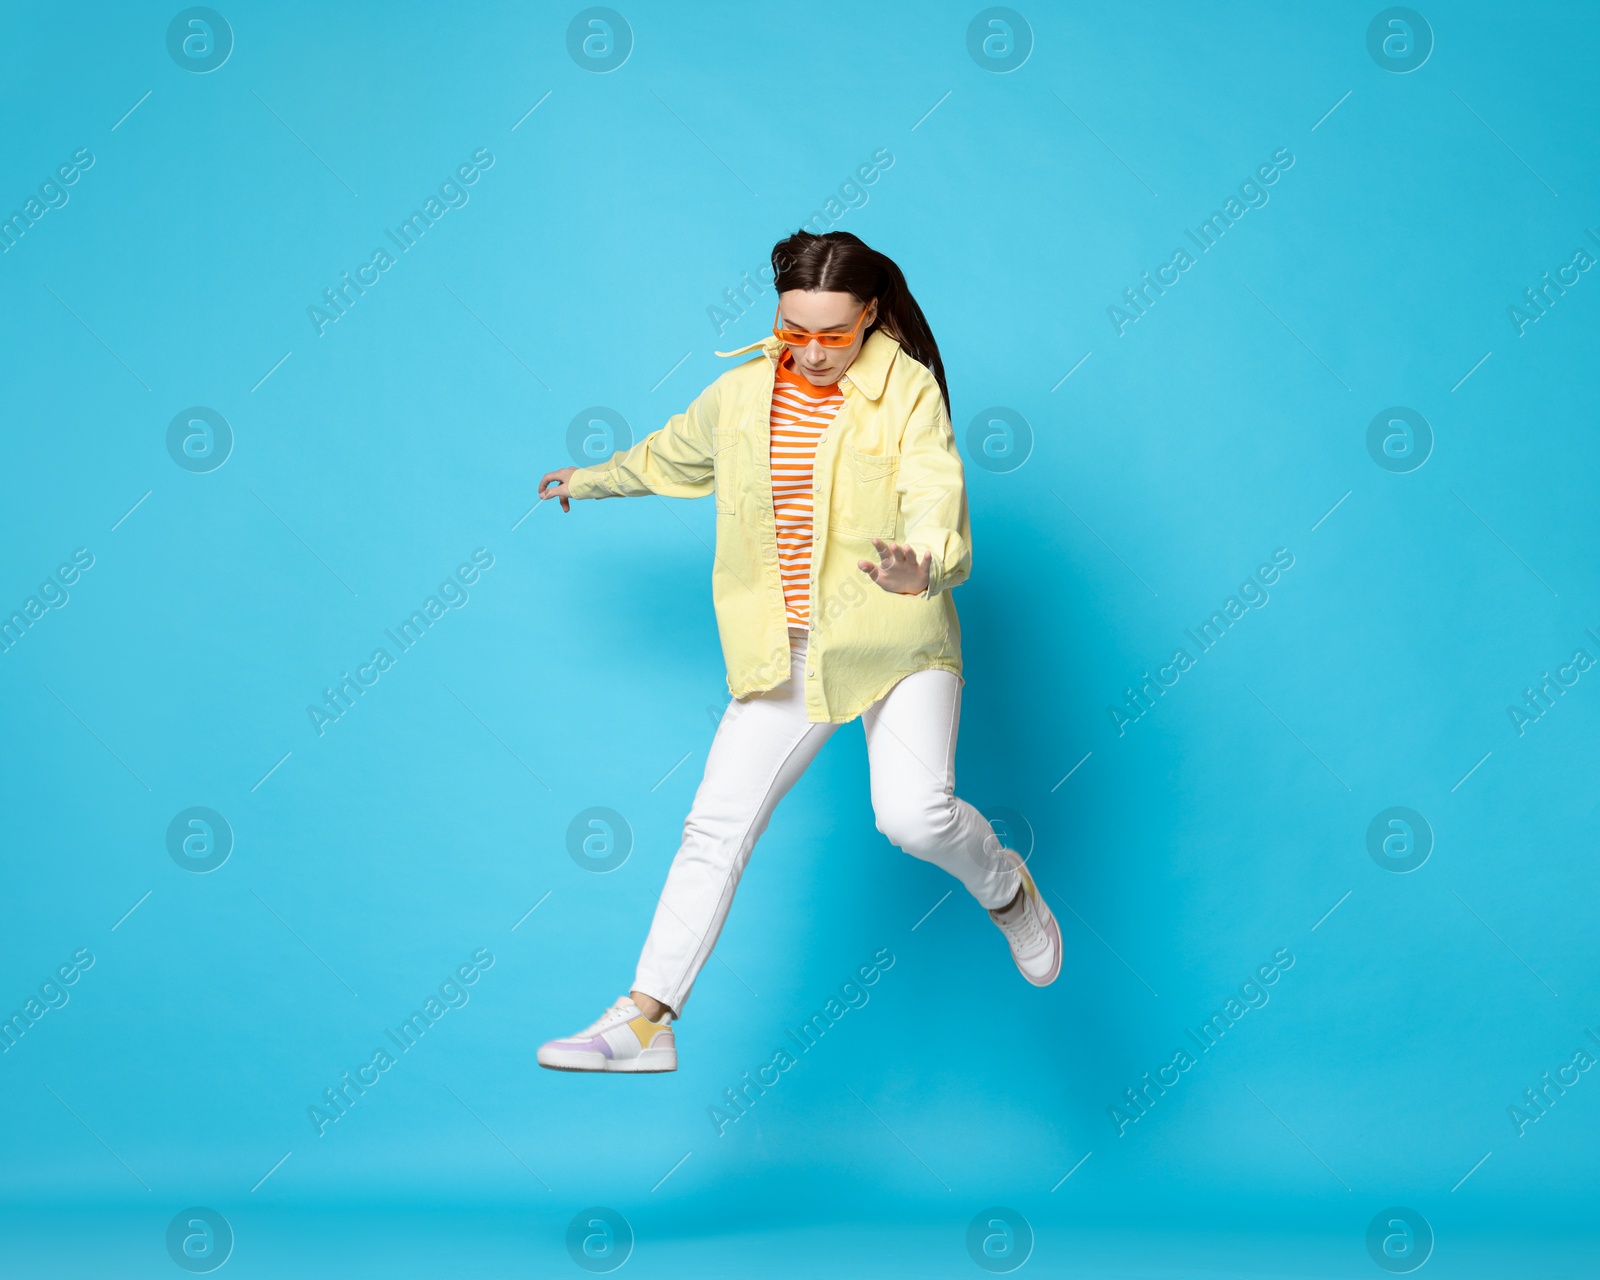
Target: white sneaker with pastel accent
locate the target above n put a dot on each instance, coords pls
(622, 1039)
(1032, 931)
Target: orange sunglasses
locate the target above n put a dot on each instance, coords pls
(802, 337)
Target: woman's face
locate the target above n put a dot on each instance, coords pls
(817, 311)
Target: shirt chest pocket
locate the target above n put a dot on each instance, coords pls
(865, 500)
(723, 466)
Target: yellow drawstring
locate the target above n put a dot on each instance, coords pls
(741, 350)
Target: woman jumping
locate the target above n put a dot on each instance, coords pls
(841, 528)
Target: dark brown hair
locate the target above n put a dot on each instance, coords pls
(839, 262)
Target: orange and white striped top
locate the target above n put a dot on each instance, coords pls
(801, 412)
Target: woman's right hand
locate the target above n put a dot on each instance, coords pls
(554, 485)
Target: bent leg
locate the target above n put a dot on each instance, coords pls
(762, 746)
(911, 745)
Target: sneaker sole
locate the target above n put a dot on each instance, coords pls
(649, 1062)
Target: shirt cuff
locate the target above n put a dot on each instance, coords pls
(587, 482)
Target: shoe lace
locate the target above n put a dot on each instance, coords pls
(611, 1017)
(1023, 932)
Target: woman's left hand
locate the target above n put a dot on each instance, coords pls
(898, 569)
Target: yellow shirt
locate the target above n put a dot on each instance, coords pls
(887, 468)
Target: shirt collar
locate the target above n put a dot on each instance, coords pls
(867, 373)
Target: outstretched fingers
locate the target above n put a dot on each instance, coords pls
(886, 562)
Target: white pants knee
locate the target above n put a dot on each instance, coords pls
(762, 746)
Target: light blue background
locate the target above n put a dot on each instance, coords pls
(585, 670)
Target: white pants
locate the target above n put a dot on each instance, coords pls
(762, 746)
